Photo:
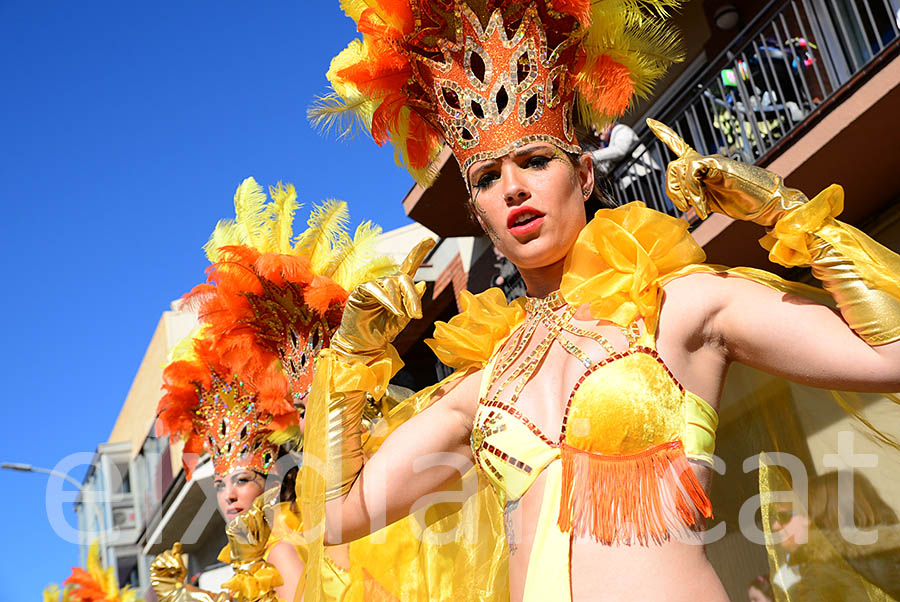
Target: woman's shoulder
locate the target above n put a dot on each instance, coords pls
(284, 554)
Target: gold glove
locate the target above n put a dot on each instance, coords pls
(249, 531)
(862, 276)
(167, 576)
(375, 313)
(718, 184)
(378, 310)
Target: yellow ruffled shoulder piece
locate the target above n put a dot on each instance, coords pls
(373, 377)
(255, 581)
(620, 259)
(470, 338)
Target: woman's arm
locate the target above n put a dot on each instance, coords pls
(735, 319)
(422, 456)
(284, 557)
(784, 334)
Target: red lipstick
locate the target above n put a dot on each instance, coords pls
(523, 219)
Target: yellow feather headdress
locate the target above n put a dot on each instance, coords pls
(272, 302)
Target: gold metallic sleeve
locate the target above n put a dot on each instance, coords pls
(364, 362)
(862, 275)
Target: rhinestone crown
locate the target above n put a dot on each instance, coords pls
(494, 90)
(235, 428)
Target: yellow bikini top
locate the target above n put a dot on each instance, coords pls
(624, 405)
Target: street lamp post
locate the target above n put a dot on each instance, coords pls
(87, 495)
(30, 468)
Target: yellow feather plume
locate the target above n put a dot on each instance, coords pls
(344, 108)
(291, 435)
(252, 214)
(226, 233)
(327, 228)
(425, 176)
(633, 33)
(284, 205)
(99, 585)
(354, 8)
(268, 227)
(349, 261)
(345, 117)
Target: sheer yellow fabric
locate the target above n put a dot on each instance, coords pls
(447, 551)
(254, 581)
(853, 562)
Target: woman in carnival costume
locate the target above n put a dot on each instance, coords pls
(591, 406)
(237, 389)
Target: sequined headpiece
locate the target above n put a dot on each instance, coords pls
(486, 76)
(235, 427)
(272, 304)
(222, 415)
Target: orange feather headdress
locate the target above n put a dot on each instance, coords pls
(485, 76)
(271, 303)
(94, 583)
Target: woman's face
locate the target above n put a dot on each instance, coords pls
(531, 202)
(236, 491)
(793, 527)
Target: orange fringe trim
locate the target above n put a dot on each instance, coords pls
(639, 498)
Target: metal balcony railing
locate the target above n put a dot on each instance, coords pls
(789, 60)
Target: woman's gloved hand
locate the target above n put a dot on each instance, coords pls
(378, 310)
(167, 576)
(374, 315)
(249, 531)
(718, 184)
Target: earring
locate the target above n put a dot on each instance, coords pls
(586, 192)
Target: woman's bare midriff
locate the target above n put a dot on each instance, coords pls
(672, 571)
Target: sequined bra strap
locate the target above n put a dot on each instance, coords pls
(556, 316)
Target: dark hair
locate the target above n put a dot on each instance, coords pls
(762, 583)
(288, 493)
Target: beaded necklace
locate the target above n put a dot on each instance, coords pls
(546, 311)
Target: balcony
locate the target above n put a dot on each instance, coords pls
(791, 66)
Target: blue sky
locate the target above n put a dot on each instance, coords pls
(124, 129)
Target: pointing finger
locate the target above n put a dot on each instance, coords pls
(669, 137)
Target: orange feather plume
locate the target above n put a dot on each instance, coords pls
(607, 83)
